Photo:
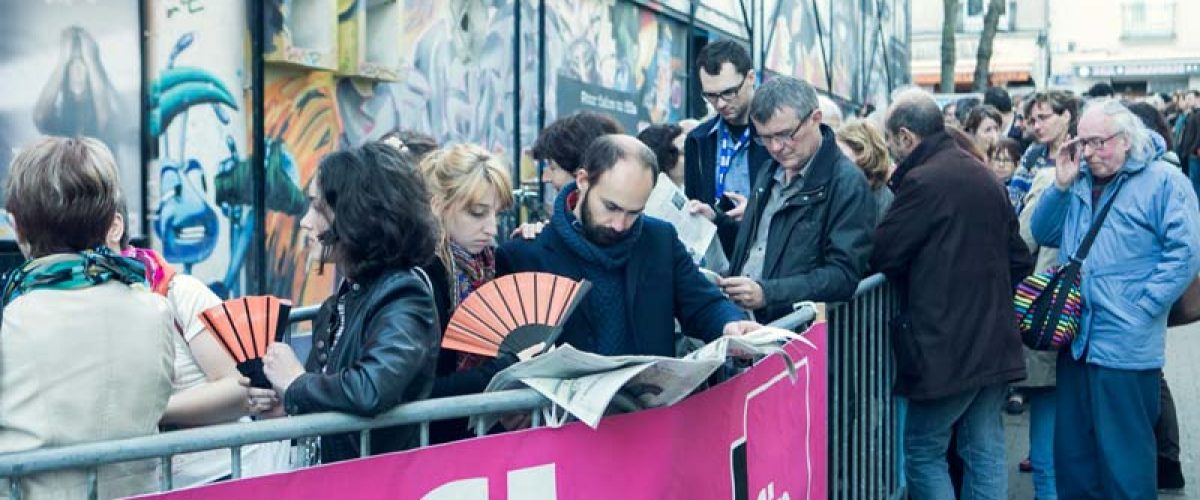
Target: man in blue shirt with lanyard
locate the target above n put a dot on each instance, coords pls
(721, 158)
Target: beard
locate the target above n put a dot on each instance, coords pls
(595, 233)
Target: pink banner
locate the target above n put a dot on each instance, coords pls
(759, 436)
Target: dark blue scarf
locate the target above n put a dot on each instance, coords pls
(604, 267)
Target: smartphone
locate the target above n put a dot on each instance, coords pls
(726, 203)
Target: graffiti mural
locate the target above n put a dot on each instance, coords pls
(844, 63)
(877, 24)
(68, 70)
(456, 77)
(196, 120)
(302, 126)
(795, 47)
(457, 72)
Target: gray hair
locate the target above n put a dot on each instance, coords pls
(913, 108)
(831, 114)
(783, 92)
(1124, 122)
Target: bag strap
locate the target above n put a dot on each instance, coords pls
(1082, 252)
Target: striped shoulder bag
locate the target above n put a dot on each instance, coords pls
(1049, 304)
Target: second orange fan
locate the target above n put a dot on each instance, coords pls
(512, 313)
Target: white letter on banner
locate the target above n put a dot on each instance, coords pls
(533, 483)
(475, 488)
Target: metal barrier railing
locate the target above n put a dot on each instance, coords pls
(864, 444)
(856, 436)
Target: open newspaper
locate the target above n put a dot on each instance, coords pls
(582, 385)
(669, 203)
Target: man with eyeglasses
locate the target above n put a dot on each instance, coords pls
(1051, 117)
(721, 159)
(1143, 257)
(806, 234)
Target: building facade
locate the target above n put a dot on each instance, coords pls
(1139, 46)
(1020, 55)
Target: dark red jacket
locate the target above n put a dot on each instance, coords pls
(951, 243)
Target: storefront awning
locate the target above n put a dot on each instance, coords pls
(962, 77)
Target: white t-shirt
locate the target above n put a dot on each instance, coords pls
(189, 297)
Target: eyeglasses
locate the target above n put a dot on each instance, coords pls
(725, 95)
(767, 140)
(1033, 119)
(1096, 142)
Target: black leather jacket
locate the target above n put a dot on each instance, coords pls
(386, 356)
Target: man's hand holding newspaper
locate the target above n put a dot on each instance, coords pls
(583, 384)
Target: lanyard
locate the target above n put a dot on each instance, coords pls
(726, 150)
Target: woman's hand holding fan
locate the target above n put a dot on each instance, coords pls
(282, 367)
(261, 403)
(513, 314)
(246, 327)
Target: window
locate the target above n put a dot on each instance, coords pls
(1148, 19)
(973, 12)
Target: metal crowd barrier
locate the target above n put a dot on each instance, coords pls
(862, 422)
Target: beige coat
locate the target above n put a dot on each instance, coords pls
(1040, 366)
(84, 365)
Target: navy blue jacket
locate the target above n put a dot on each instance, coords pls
(661, 284)
(700, 173)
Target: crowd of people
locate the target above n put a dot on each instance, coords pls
(956, 205)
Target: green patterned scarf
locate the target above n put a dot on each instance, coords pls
(69, 271)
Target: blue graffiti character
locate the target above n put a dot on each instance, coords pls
(185, 222)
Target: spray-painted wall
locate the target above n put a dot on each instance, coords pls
(855, 50)
(338, 75)
(453, 77)
(197, 128)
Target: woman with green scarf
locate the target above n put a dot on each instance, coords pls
(85, 347)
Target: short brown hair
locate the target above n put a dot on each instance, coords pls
(1059, 102)
(980, 113)
(62, 194)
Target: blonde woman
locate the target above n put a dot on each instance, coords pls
(862, 142)
(469, 187)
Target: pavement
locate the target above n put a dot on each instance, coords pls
(1183, 375)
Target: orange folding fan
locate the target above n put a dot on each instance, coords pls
(245, 327)
(511, 313)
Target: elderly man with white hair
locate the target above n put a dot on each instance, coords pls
(1145, 254)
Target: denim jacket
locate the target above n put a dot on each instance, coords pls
(1145, 255)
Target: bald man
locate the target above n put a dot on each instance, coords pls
(642, 278)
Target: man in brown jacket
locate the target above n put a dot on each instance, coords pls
(951, 243)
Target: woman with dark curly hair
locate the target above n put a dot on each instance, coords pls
(666, 140)
(375, 342)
